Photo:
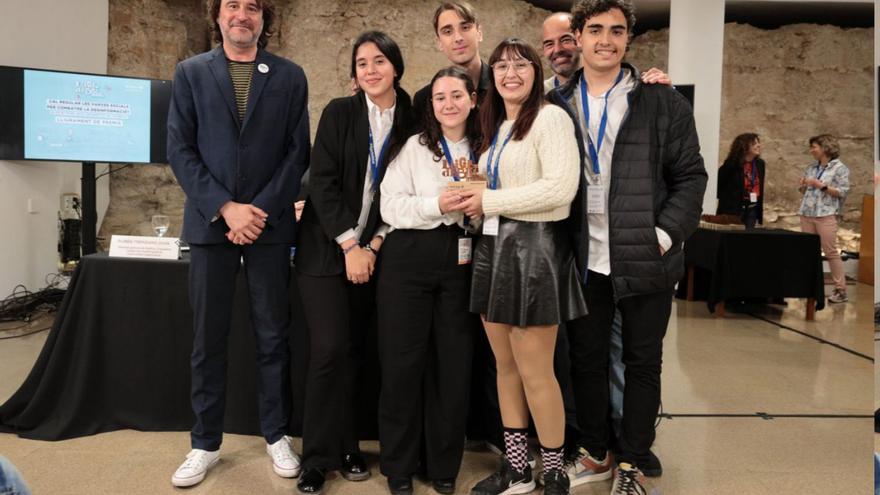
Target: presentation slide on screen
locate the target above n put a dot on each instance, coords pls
(78, 117)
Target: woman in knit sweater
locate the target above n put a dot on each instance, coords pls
(426, 333)
(524, 279)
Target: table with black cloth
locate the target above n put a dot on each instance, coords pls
(118, 356)
(758, 263)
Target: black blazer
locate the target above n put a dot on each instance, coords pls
(217, 159)
(731, 189)
(336, 180)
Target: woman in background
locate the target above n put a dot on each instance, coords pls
(825, 185)
(741, 181)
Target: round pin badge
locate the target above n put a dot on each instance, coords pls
(263, 68)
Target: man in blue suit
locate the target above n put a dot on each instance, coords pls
(238, 142)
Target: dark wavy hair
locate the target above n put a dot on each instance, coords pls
(585, 9)
(492, 111)
(431, 132)
(740, 146)
(268, 9)
(386, 45)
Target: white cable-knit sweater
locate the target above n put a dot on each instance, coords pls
(538, 176)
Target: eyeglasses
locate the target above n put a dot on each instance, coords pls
(520, 66)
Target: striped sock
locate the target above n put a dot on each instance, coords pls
(516, 448)
(552, 458)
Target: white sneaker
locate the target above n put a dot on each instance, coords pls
(285, 462)
(195, 467)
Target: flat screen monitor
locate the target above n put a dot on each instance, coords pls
(78, 117)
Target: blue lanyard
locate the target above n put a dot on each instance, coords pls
(493, 174)
(374, 162)
(820, 170)
(754, 175)
(555, 82)
(585, 104)
(449, 161)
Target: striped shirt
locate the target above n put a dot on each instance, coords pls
(241, 74)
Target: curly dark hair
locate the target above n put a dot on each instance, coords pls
(585, 9)
(430, 136)
(266, 6)
(740, 146)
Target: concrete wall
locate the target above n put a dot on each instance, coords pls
(50, 34)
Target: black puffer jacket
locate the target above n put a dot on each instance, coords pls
(657, 179)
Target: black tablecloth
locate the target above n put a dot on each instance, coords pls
(754, 263)
(118, 357)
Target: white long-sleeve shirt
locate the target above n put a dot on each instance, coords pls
(380, 125)
(413, 183)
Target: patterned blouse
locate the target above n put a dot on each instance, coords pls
(821, 204)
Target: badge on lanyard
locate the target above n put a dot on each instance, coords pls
(596, 199)
(465, 250)
(490, 225)
(753, 197)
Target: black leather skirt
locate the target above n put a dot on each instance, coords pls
(526, 275)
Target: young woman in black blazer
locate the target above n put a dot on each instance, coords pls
(339, 239)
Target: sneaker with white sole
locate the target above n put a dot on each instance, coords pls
(285, 462)
(584, 468)
(195, 467)
(838, 296)
(628, 481)
(507, 481)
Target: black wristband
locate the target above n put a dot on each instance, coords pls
(824, 188)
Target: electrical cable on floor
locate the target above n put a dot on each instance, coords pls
(38, 330)
(22, 304)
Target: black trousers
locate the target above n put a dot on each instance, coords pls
(644, 319)
(212, 273)
(426, 337)
(339, 314)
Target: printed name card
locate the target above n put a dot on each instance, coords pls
(134, 246)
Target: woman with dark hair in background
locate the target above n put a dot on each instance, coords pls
(524, 277)
(825, 185)
(426, 333)
(339, 239)
(741, 181)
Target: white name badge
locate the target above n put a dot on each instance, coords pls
(596, 200)
(134, 246)
(490, 225)
(753, 197)
(465, 250)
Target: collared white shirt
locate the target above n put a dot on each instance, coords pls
(414, 182)
(380, 125)
(618, 104)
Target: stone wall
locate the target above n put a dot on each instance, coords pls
(148, 37)
(785, 84)
(792, 83)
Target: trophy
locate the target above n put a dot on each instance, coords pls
(468, 174)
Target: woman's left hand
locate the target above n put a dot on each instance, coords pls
(472, 204)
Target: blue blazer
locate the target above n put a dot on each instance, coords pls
(216, 159)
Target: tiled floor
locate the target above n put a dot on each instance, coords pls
(736, 366)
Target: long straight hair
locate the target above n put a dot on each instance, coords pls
(401, 128)
(492, 111)
(430, 136)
